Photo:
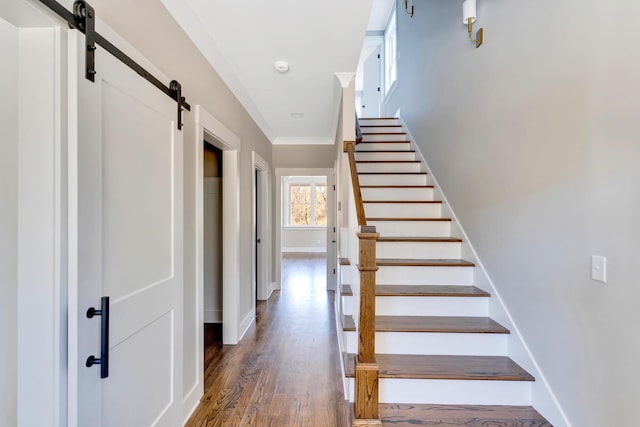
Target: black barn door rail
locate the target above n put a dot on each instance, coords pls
(83, 19)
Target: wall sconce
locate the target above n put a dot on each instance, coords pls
(406, 8)
(468, 18)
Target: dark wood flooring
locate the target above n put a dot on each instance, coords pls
(286, 370)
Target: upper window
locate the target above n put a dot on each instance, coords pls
(306, 201)
(390, 53)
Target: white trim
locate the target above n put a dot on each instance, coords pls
(42, 272)
(247, 322)
(264, 224)
(201, 126)
(517, 347)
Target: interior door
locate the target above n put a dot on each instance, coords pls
(371, 85)
(125, 242)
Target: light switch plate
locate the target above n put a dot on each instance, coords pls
(599, 268)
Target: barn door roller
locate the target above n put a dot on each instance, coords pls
(83, 19)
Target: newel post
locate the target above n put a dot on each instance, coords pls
(367, 369)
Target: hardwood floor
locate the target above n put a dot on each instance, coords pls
(286, 370)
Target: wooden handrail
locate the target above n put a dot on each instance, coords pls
(366, 411)
(355, 183)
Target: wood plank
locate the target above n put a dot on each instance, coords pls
(440, 324)
(446, 367)
(405, 141)
(436, 324)
(396, 186)
(410, 219)
(377, 118)
(392, 173)
(387, 161)
(344, 261)
(422, 291)
(412, 415)
(430, 202)
(285, 371)
(392, 262)
(418, 239)
(430, 291)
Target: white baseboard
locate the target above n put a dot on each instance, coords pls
(191, 402)
(246, 323)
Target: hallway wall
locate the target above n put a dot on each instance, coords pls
(534, 138)
(8, 222)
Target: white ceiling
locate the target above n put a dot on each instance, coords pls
(243, 39)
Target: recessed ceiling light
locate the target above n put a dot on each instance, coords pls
(297, 115)
(281, 66)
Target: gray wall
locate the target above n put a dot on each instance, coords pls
(303, 156)
(8, 221)
(535, 140)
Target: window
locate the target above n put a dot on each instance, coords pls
(306, 199)
(390, 53)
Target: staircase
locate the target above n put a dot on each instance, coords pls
(442, 360)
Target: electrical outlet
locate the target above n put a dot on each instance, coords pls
(599, 268)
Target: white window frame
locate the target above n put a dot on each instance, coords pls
(390, 53)
(312, 181)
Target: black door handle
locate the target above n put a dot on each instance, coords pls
(103, 361)
(258, 240)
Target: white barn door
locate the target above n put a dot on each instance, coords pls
(125, 242)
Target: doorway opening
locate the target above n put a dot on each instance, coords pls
(212, 241)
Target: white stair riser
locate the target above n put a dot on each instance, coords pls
(403, 210)
(379, 122)
(382, 179)
(426, 306)
(454, 392)
(419, 275)
(347, 305)
(433, 343)
(412, 228)
(437, 250)
(374, 155)
(384, 137)
(378, 128)
(390, 167)
(392, 194)
(385, 146)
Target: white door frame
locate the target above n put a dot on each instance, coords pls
(282, 172)
(264, 289)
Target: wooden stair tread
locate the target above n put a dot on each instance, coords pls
(429, 202)
(396, 186)
(412, 415)
(445, 367)
(422, 291)
(377, 118)
(392, 173)
(348, 324)
(383, 133)
(387, 151)
(392, 141)
(409, 219)
(435, 324)
(423, 262)
(430, 290)
(381, 126)
(418, 239)
(388, 161)
(344, 261)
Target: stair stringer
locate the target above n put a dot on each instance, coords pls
(542, 396)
